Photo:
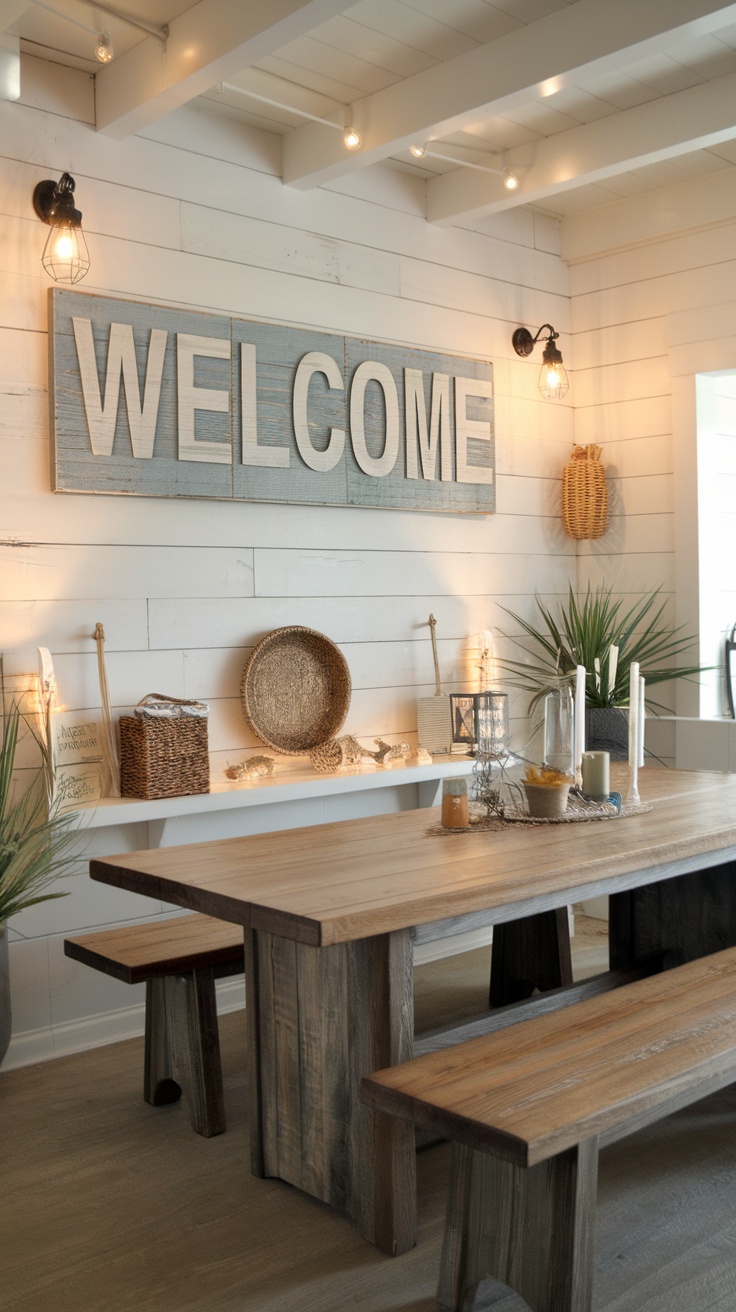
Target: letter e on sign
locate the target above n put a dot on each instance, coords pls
(471, 430)
(191, 398)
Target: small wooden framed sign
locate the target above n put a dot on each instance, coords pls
(77, 758)
(149, 400)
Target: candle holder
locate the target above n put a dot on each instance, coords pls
(559, 730)
(481, 720)
(455, 804)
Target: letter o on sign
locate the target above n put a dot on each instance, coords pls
(373, 371)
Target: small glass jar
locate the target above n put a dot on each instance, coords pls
(455, 804)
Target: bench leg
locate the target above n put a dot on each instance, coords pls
(159, 1085)
(182, 1040)
(531, 1228)
(528, 954)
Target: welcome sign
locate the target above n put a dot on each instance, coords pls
(154, 401)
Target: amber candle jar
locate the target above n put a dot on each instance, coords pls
(455, 804)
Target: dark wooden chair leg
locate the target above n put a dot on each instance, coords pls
(530, 1228)
(159, 1085)
(528, 954)
(191, 1015)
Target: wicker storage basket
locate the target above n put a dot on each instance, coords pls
(163, 758)
(584, 494)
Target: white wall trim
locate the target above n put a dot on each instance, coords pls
(33, 1046)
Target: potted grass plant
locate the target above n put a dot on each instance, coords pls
(600, 632)
(37, 843)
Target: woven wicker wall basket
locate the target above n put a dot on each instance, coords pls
(584, 494)
(295, 690)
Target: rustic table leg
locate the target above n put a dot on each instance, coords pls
(530, 1228)
(683, 918)
(528, 954)
(319, 1019)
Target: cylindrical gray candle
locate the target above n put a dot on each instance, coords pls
(596, 775)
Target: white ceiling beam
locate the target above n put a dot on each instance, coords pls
(10, 10)
(661, 129)
(212, 41)
(690, 206)
(9, 67)
(589, 36)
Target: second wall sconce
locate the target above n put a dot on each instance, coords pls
(553, 380)
(65, 257)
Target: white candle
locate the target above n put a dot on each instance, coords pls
(579, 718)
(642, 719)
(634, 714)
(612, 668)
(633, 797)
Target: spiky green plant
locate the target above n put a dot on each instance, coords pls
(37, 843)
(583, 633)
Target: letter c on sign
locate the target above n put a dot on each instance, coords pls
(316, 362)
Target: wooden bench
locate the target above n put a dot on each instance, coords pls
(527, 1107)
(179, 960)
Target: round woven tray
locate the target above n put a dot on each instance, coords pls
(295, 690)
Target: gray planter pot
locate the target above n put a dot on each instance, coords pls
(607, 730)
(4, 992)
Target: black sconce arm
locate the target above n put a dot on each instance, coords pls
(523, 342)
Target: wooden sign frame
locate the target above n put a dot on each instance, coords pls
(151, 400)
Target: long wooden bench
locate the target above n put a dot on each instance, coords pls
(179, 960)
(527, 1108)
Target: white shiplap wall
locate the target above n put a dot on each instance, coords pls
(646, 321)
(194, 214)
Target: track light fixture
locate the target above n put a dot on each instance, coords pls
(103, 50)
(65, 257)
(553, 380)
(510, 180)
(351, 139)
(103, 47)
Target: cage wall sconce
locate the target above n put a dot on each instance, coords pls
(65, 256)
(553, 380)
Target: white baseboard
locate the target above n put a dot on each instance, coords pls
(97, 1031)
(128, 1022)
(438, 948)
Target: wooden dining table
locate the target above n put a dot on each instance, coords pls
(331, 915)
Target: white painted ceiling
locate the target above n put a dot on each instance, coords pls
(587, 101)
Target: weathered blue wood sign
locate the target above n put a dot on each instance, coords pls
(154, 401)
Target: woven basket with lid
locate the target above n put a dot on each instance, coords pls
(584, 494)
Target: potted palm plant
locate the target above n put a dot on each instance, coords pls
(597, 631)
(37, 843)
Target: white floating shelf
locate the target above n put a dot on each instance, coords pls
(288, 786)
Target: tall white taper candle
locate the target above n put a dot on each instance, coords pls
(579, 721)
(642, 719)
(633, 797)
(612, 667)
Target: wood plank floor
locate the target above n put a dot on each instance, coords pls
(107, 1204)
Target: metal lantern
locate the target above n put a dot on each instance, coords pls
(481, 720)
